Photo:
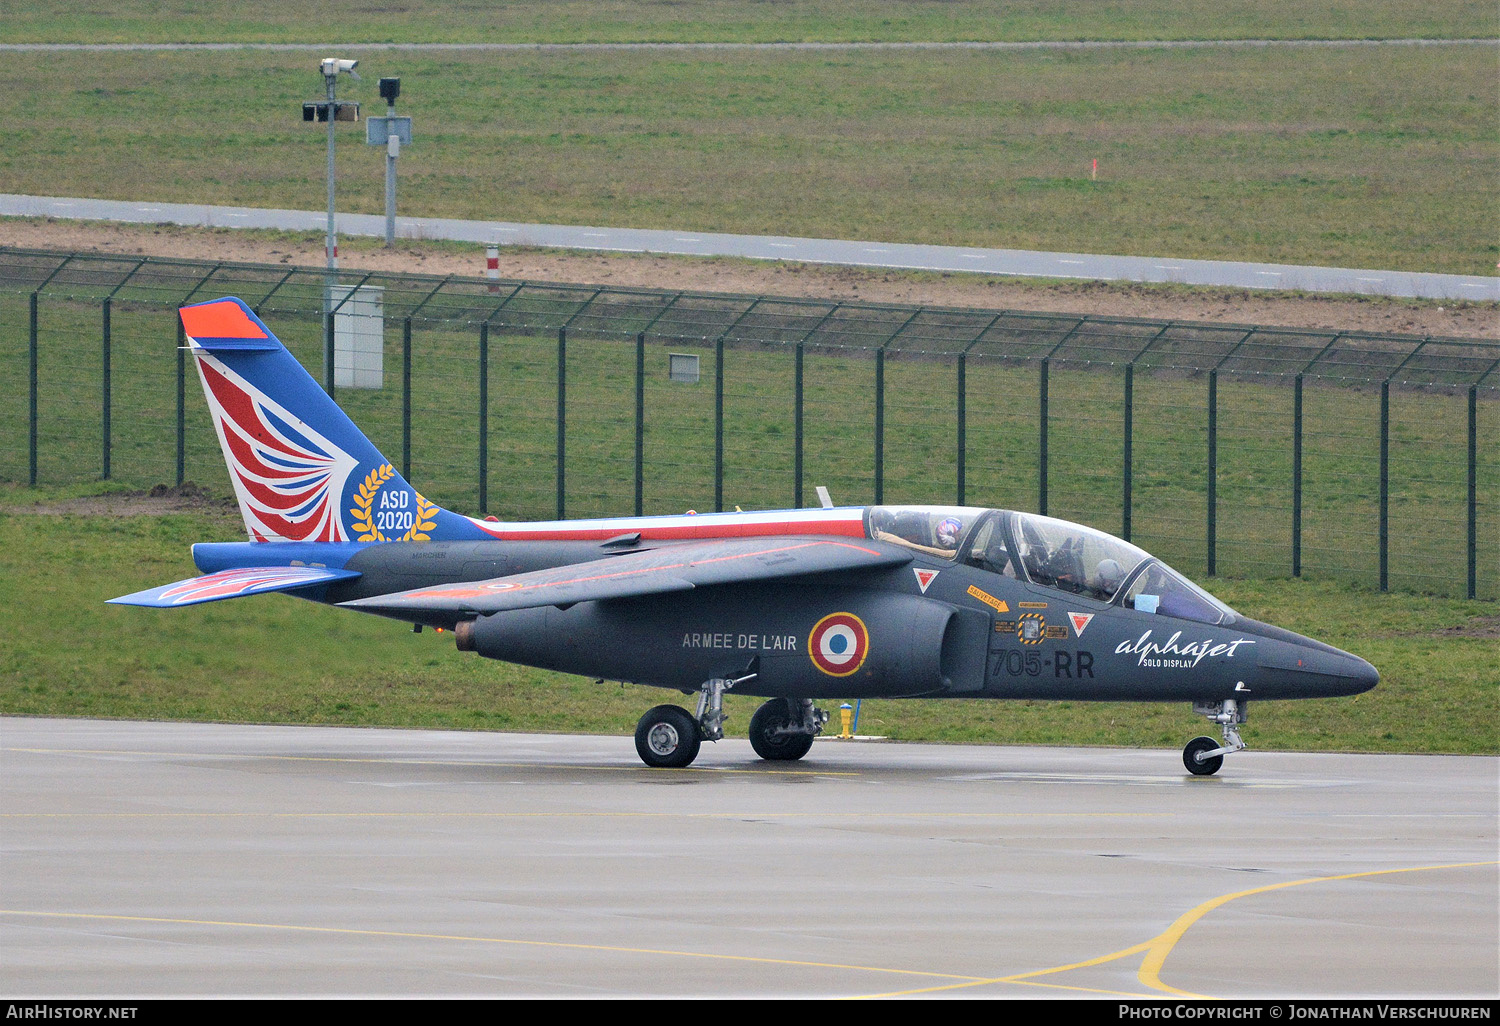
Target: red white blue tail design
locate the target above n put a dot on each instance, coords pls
(301, 470)
(288, 479)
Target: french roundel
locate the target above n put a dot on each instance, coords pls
(838, 644)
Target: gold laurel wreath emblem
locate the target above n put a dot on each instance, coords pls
(426, 511)
(364, 521)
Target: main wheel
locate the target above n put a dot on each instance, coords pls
(1205, 767)
(770, 745)
(667, 736)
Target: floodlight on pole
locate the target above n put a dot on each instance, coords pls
(331, 112)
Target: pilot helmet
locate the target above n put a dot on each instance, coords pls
(948, 531)
(1109, 573)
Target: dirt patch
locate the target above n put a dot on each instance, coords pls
(187, 497)
(1477, 627)
(1169, 302)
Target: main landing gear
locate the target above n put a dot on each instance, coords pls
(1203, 755)
(781, 730)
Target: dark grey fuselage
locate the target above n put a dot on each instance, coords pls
(971, 633)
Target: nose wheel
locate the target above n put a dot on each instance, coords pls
(1203, 755)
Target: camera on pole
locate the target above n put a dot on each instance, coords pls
(328, 111)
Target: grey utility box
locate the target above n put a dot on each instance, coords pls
(358, 336)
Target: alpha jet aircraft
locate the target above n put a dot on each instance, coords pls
(796, 606)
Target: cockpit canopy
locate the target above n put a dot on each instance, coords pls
(1049, 553)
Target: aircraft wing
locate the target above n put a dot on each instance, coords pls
(236, 583)
(654, 572)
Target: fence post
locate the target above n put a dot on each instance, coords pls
(719, 425)
(406, 398)
(963, 420)
(562, 420)
(104, 398)
(181, 403)
(1127, 459)
(31, 423)
(797, 433)
(1385, 478)
(640, 423)
(880, 425)
(1213, 471)
(328, 356)
(484, 419)
(1041, 462)
(1473, 490)
(1297, 478)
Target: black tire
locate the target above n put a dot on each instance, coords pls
(667, 737)
(1207, 767)
(772, 746)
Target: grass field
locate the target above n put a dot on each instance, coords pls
(1383, 157)
(277, 660)
(573, 21)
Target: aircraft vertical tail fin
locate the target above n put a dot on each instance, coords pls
(301, 469)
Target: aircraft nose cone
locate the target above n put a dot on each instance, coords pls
(1363, 676)
(1321, 672)
(1294, 666)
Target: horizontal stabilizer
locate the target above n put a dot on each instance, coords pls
(253, 580)
(654, 572)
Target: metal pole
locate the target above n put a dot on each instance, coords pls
(640, 424)
(1213, 471)
(181, 404)
(484, 418)
(1385, 452)
(1297, 479)
(562, 420)
(31, 422)
(331, 243)
(406, 398)
(880, 425)
(1127, 460)
(1473, 489)
(104, 398)
(719, 425)
(328, 354)
(797, 433)
(1041, 462)
(963, 421)
(392, 151)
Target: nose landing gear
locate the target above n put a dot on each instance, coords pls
(1203, 755)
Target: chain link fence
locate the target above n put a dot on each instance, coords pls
(1241, 450)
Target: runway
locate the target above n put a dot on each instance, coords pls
(178, 859)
